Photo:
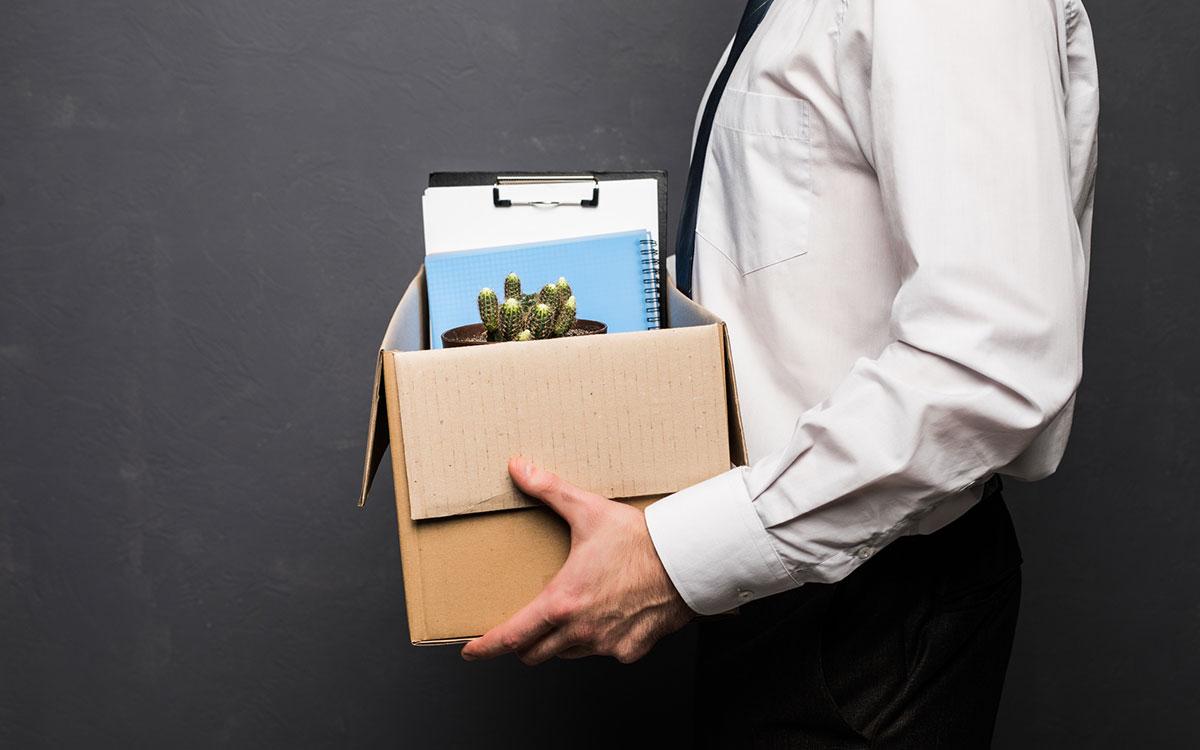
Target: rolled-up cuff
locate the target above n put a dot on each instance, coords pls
(714, 546)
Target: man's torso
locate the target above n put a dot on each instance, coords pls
(793, 247)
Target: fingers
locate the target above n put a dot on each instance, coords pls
(576, 652)
(564, 498)
(540, 632)
(570, 643)
(517, 634)
(555, 642)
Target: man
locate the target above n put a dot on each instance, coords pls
(890, 204)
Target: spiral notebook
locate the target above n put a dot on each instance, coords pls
(614, 278)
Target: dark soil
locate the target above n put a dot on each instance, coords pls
(474, 335)
(481, 338)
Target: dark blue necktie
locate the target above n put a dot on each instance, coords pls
(685, 240)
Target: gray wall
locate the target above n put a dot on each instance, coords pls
(207, 210)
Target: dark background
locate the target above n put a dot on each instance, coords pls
(207, 212)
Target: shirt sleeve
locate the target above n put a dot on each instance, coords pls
(959, 108)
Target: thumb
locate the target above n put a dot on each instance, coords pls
(564, 498)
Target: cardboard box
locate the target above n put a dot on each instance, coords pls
(633, 416)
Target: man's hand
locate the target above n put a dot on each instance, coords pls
(611, 597)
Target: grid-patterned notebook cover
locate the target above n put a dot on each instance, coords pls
(610, 275)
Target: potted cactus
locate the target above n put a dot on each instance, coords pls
(548, 314)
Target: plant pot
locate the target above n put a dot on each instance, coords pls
(473, 333)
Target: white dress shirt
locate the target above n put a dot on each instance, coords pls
(895, 223)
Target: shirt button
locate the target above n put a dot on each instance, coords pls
(744, 595)
(865, 552)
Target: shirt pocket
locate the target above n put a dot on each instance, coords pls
(756, 192)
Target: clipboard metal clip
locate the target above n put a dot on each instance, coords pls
(523, 181)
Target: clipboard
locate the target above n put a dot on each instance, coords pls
(516, 188)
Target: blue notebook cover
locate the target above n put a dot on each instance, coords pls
(614, 278)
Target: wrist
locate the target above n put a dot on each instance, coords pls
(714, 547)
(666, 593)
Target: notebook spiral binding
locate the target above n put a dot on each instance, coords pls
(650, 285)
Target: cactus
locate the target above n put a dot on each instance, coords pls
(565, 319)
(549, 296)
(564, 289)
(527, 303)
(489, 312)
(512, 286)
(510, 319)
(549, 313)
(541, 321)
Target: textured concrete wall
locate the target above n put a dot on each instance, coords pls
(207, 211)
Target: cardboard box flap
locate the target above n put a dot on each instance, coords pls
(459, 412)
(682, 312)
(407, 331)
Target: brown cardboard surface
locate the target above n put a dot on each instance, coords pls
(406, 331)
(738, 455)
(465, 574)
(622, 415)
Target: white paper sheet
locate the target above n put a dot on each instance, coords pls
(463, 218)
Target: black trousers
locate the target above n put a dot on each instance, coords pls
(908, 651)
